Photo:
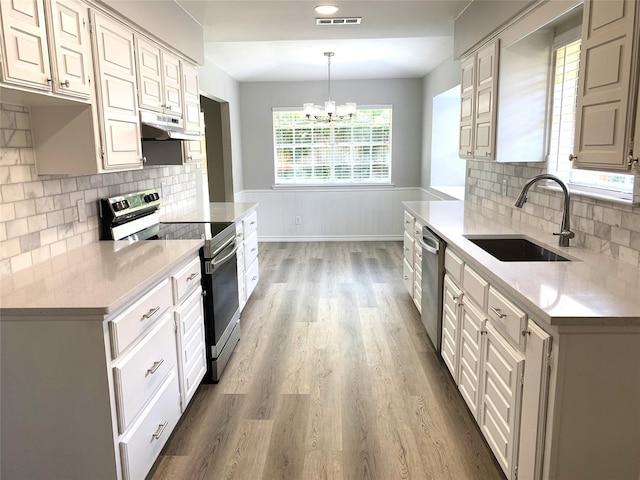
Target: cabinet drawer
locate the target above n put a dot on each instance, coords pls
(139, 373)
(250, 224)
(453, 265)
(253, 275)
(476, 287)
(250, 249)
(408, 247)
(471, 325)
(508, 318)
(408, 222)
(137, 318)
(186, 279)
(417, 296)
(140, 447)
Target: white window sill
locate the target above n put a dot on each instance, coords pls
(332, 186)
(597, 194)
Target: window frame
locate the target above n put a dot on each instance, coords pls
(334, 182)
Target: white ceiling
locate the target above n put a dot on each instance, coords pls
(259, 40)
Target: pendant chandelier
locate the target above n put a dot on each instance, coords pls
(331, 112)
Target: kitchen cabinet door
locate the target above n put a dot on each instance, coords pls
(467, 107)
(70, 48)
(500, 401)
(172, 82)
(607, 85)
(534, 402)
(485, 102)
(471, 326)
(26, 54)
(117, 94)
(191, 90)
(149, 75)
(451, 326)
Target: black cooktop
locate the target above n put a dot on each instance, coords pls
(191, 231)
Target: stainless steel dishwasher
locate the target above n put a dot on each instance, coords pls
(432, 285)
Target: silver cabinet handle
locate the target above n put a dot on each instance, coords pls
(150, 313)
(498, 312)
(254, 278)
(192, 276)
(253, 222)
(65, 84)
(161, 428)
(469, 152)
(572, 157)
(155, 366)
(253, 249)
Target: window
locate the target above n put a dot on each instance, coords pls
(565, 89)
(355, 151)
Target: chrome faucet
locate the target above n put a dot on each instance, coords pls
(565, 230)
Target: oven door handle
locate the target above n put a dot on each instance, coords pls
(215, 262)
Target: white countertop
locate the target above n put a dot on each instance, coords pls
(216, 212)
(593, 290)
(97, 279)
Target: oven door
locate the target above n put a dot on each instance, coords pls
(221, 299)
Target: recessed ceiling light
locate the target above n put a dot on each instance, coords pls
(326, 9)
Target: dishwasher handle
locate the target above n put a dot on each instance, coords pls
(430, 244)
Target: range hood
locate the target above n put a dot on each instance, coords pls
(156, 126)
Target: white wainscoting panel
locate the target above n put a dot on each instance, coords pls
(338, 213)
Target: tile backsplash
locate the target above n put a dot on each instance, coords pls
(39, 213)
(607, 227)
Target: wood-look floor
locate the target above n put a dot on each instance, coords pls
(333, 378)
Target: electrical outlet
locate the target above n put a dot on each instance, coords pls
(298, 220)
(504, 187)
(82, 212)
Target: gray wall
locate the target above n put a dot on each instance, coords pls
(442, 78)
(258, 98)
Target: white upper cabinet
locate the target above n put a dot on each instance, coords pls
(117, 94)
(159, 79)
(46, 46)
(478, 103)
(191, 90)
(25, 44)
(607, 85)
(467, 107)
(72, 69)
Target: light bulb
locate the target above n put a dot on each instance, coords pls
(326, 9)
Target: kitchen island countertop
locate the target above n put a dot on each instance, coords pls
(94, 280)
(591, 290)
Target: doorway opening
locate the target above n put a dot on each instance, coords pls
(217, 162)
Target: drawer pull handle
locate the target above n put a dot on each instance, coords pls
(192, 276)
(526, 332)
(252, 223)
(498, 312)
(254, 278)
(160, 430)
(155, 367)
(253, 249)
(150, 313)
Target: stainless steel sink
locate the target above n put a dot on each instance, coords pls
(515, 249)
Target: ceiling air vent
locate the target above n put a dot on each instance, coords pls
(339, 21)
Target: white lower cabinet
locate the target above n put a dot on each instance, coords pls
(189, 318)
(140, 447)
(472, 323)
(248, 268)
(486, 343)
(450, 325)
(501, 385)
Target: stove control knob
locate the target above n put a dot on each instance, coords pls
(125, 204)
(146, 198)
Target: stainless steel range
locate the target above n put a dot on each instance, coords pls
(135, 217)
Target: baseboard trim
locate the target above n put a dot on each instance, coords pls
(370, 238)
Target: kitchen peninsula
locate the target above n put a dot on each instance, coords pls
(578, 416)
